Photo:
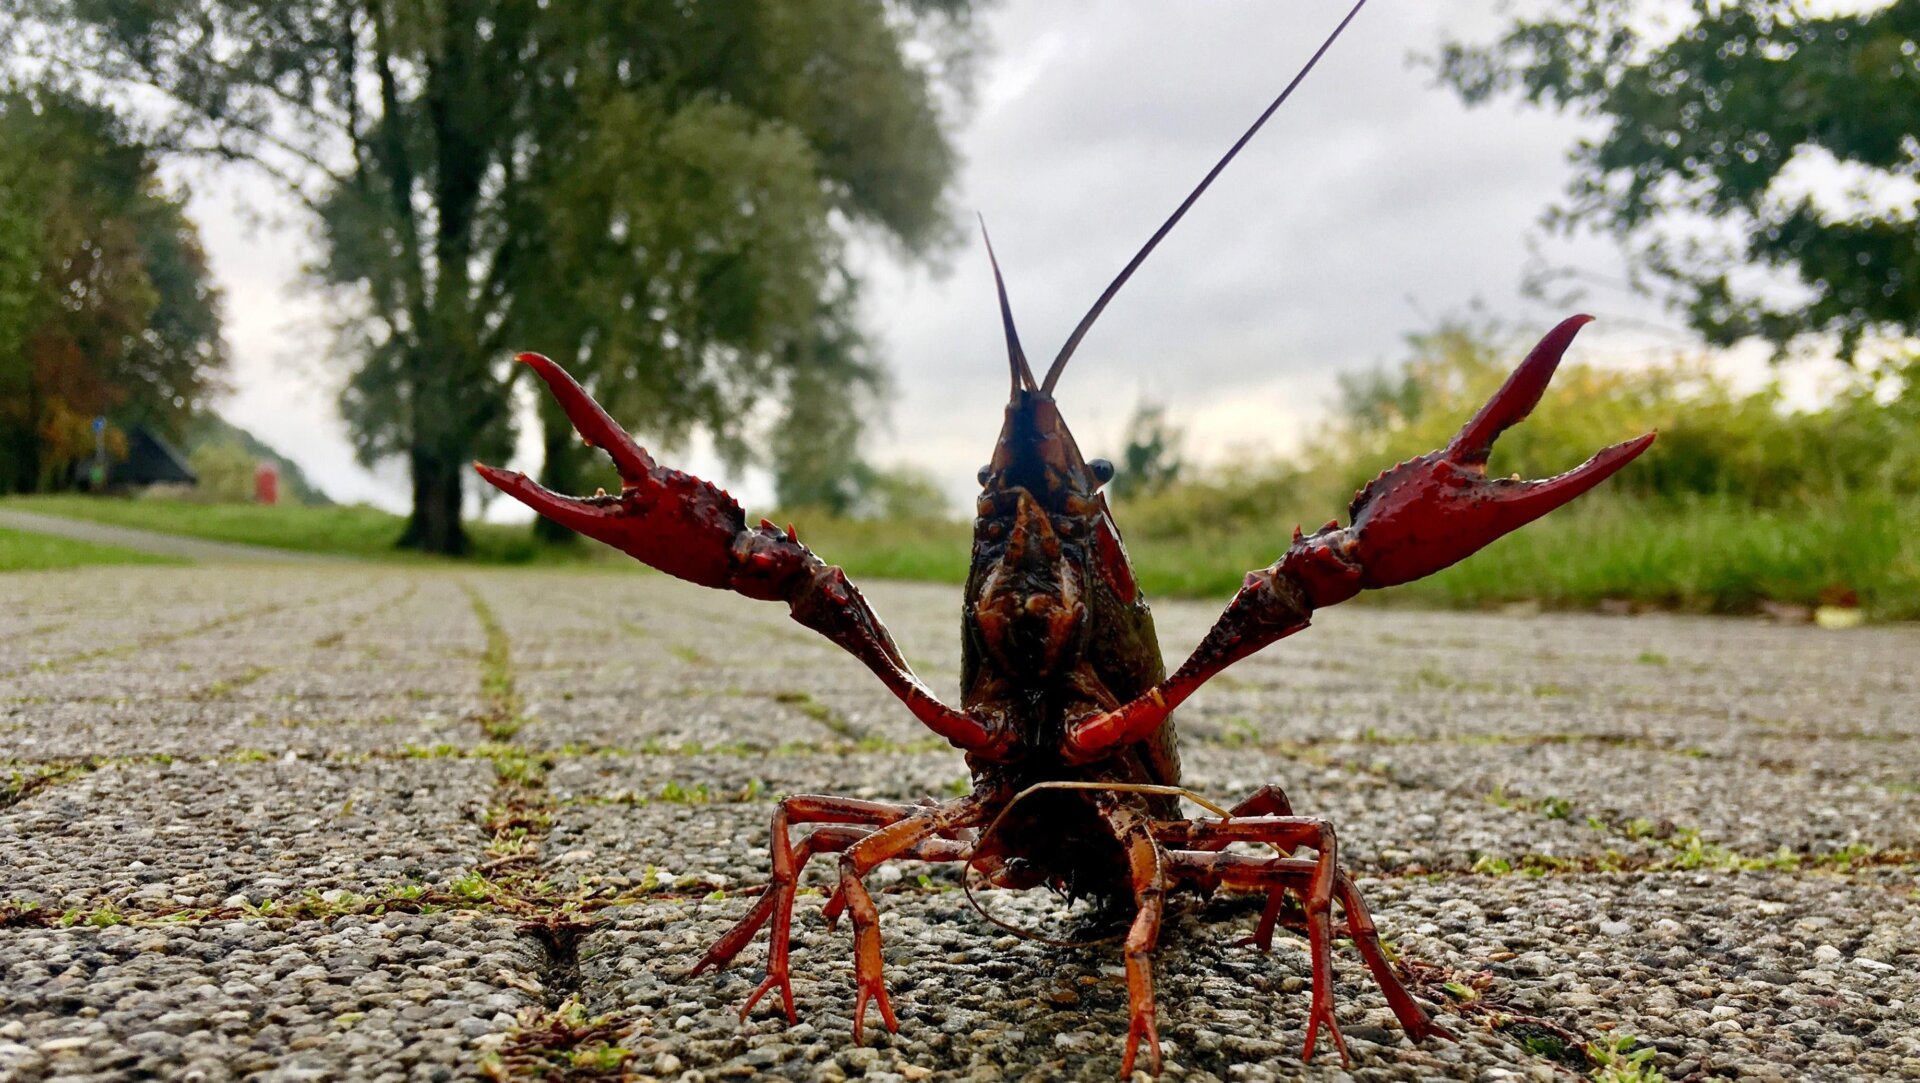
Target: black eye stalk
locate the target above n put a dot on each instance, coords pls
(1102, 470)
(985, 471)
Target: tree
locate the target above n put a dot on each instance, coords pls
(1712, 122)
(106, 303)
(655, 193)
(1150, 461)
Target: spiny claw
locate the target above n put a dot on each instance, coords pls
(1440, 508)
(672, 521)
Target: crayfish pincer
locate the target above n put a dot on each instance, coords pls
(1066, 708)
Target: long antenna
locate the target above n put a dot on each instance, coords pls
(1080, 332)
(1016, 357)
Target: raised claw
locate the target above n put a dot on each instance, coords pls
(678, 523)
(1427, 513)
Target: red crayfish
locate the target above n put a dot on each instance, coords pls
(1066, 709)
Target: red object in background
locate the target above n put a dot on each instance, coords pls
(266, 484)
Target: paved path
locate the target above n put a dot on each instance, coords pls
(151, 541)
(377, 823)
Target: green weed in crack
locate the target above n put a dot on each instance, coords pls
(562, 1043)
(501, 720)
(228, 686)
(819, 712)
(23, 780)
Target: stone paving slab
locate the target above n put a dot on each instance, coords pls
(197, 834)
(310, 727)
(1737, 803)
(404, 997)
(470, 811)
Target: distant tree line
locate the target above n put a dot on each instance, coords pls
(107, 309)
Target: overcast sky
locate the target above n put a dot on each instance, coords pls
(1372, 204)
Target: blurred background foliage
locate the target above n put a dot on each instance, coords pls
(107, 308)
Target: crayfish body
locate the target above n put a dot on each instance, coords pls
(1066, 709)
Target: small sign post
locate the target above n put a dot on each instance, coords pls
(97, 475)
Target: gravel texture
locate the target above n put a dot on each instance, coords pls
(368, 823)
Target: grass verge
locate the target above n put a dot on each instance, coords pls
(21, 551)
(357, 531)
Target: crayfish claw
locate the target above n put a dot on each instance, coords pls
(1429, 512)
(678, 523)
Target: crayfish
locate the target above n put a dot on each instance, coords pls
(1066, 708)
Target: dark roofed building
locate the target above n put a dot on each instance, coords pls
(150, 461)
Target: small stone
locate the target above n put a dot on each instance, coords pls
(1826, 953)
(1615, 928)
(666, 1064)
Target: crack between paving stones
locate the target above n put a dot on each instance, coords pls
(518, 823)
(391, 601)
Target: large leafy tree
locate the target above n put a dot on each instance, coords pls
(1713, 117)
(106, 304)
(655, 192)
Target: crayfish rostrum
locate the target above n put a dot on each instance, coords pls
(1066, 709)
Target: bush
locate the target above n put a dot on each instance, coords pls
(1714, 441)
(225, 470)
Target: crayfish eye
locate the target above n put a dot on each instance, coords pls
(985, 471)
(1102, 471)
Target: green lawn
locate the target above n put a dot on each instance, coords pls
(357, 531)
(21, 551)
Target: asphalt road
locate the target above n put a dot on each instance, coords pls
(359, 822)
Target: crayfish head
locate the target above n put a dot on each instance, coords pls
(1027, 590)
(1036, 452)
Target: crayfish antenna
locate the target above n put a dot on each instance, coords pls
(1016, 357)
(1099, 306)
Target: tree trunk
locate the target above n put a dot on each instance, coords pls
(434, 526)
(24, 473)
